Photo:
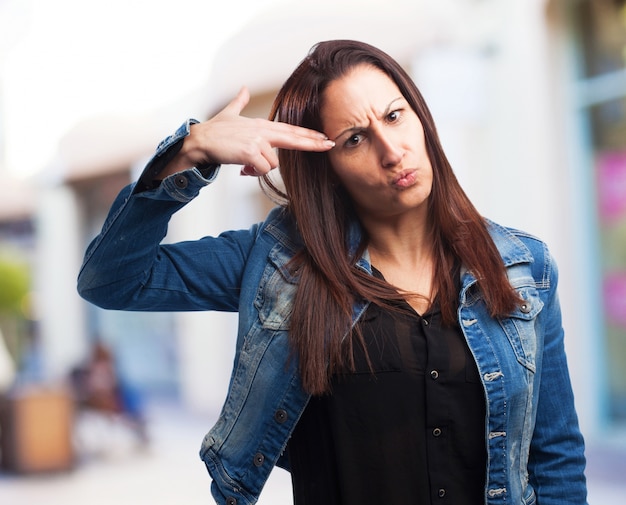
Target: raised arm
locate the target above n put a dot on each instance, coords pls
(230, 138)
(127, 268)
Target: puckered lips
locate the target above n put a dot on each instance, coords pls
(405, 178)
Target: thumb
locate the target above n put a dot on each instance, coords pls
(238, 103)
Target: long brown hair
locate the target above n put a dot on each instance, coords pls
(329, 279)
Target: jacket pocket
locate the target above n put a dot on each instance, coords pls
(520, 327)
(276, 291)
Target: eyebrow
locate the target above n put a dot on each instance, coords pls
(357, 128)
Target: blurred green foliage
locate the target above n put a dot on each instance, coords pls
(14, 283)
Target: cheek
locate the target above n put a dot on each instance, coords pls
(348, 176)
(348, 166)
(339, 167)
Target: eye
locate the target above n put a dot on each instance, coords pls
(394, 116)
(354, 140)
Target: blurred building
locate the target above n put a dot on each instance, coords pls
(530, 101)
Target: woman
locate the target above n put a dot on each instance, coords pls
(394, 346)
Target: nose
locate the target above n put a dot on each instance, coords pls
(391, 153)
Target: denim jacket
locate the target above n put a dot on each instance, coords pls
(535, 450)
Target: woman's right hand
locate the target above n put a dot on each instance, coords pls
(230, 138)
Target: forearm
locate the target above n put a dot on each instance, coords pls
(557, 460)
(119, 261)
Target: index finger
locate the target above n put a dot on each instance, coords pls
(299, 138)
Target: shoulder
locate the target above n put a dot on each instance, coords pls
(281, 227)
(517, 244)
(517, 247)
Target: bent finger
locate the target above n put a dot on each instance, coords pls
(249, 170)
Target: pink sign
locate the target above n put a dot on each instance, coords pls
(615, 298)
(612, 185)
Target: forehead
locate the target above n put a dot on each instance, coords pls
(354, 97)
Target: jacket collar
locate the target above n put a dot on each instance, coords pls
(511, 248)
(512, 251)
(281, 225)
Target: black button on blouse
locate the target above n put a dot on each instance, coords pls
(410, 431)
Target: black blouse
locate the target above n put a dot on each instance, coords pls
(412, 431)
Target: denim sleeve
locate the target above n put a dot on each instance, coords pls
(557, 461)
(127, 268)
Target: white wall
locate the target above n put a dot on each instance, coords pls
(57, 304)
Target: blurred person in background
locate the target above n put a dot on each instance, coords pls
(99, 388)
(394, 346)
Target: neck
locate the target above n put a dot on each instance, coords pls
(403, 253)
(403, 240)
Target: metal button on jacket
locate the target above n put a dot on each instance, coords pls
(181, 181)
(258, 459)
(280, 416)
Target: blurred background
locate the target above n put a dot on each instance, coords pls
(530, 101)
